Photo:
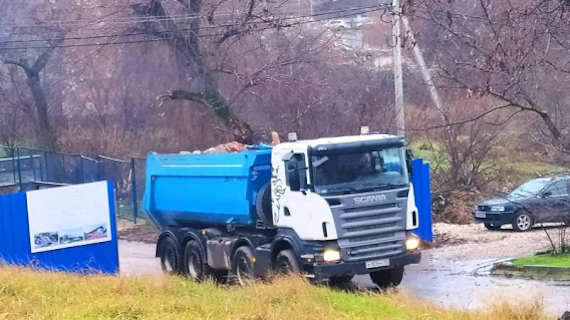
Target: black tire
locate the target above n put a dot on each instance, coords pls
(169, 256)
(242, 265)
(286, 262)
(341, 281)
(492, 227)
(387, 278)
(193, 266)
(522, 221)
(263, 206)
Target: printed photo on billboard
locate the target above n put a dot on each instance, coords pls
(68, 216)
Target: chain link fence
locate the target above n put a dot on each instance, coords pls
(23, 169)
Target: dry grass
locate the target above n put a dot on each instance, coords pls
(25, 294)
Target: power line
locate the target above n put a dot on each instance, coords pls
(157, 18)
(132, 20)
(268, 22)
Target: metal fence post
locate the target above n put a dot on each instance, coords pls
(18, 165)
(82, 169)
(14, 169)
(134, 190)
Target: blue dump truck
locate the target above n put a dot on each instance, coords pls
(328, 208)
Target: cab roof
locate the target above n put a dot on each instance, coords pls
(338, 140)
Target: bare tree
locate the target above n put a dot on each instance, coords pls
(32, 70)
(515, 53)
(186, 42)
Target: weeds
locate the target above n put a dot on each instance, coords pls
(25, 294)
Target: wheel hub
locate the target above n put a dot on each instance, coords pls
(523, 222)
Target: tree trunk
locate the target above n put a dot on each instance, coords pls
(205, 90)
(47, 137)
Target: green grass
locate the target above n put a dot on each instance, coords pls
(534, 168)
(25, 294)
(433, 151)
(544, 260)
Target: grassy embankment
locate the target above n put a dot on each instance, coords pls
(544, 260)
(40, 295)
(433, 152)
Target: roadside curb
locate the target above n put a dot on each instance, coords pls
(535, 272)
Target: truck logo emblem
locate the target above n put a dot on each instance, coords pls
(369, 199)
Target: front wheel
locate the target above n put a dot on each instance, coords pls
(387, 278)
(340, 281)
(522, 222)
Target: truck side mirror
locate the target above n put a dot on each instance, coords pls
(409, 164)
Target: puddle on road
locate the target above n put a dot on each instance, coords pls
(467, 284)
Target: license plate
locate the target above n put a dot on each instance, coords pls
(480, 214)
(377, 263)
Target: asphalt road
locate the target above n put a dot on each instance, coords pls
(463, 283)
(448, 276)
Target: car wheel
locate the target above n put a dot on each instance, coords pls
(522, 222)
(492, 227)
(242, 265)
(387, 278)
(285, 262)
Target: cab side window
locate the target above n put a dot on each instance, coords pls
(296, 174)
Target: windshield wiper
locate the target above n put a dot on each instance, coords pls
(340, 190)
(383, 186)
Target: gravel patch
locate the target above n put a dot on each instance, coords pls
(476, 242)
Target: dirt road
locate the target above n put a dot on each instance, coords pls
(454, 275)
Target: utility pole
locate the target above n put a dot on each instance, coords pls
(423, 67)
(397, 64)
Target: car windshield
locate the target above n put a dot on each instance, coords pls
(359, 171)
(529, 189)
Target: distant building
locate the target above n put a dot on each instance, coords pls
(325, 6)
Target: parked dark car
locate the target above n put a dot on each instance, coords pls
(535, 201)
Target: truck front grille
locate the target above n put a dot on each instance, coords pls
(371, 232)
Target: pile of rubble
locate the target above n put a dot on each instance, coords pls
(235, 146)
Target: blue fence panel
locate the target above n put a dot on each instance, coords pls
(15, 242)
(422, 193)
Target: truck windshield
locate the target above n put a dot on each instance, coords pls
(359, 171)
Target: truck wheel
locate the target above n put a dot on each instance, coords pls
(286, 262)
(169, 256)
(387, 278)
(522, 222)
(193, 261)
(341, 281)
(242, 265)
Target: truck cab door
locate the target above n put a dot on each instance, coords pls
(295, 206)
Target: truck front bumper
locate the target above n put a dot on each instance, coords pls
(339, 269)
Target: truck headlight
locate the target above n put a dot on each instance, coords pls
(331, 255)
(498, 208)
(412, 243)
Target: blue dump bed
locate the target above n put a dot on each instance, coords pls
(210, 189)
